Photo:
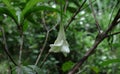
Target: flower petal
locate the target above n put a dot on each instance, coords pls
(54, 48)
(60, 44)
(65, 49)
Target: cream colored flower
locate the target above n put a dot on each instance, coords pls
(60, 44)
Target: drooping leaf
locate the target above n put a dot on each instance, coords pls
(4, 10)
(11, 11)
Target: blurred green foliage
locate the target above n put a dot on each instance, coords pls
(30, 15)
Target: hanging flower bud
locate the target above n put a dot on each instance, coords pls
(60, 44)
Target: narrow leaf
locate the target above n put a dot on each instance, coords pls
(110, 61)
(39, 8)
(25, 25)
(7, 3)
(11, 10)
(4, 10)
(29, 6)
(31, 20)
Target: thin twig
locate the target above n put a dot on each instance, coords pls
(54, 26)
(75, 68)
(21, 48)
(20, 29)
(87, 5)
(112, 13)
(44, 59)
(66, 5)
(43, 20)
(46, 39)
(6, 47)
(74, 15)
(114, 22)
(94, 15)
(113, 34)
(10, 70)
(43, 47)
(45, 43)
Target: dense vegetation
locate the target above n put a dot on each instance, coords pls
(36, 36)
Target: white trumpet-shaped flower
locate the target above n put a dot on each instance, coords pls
(60, 44)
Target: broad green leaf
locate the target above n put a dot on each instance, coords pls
(95, 69)
(110, 61)
(67, 66)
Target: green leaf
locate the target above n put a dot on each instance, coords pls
(25, 26)
(60, 1)
(110, 61)
(96, 69)
(4, 10)
(31, 20)
(7, 3)
(10, 10)
(39, 8)
(71, 9)
(35, 68)
(29, 69)
(67, 66)
(29, 6)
